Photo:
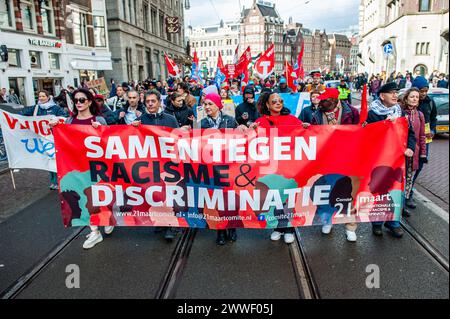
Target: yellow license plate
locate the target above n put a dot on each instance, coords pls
(442, 128)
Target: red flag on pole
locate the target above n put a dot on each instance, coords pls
(172, 67)
(364, 106)
(220, 64)
(290, 75)
(300, 71)
(265, 65)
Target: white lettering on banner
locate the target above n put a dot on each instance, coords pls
(189, 149)
(104, 195)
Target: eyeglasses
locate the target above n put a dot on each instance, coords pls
(275, 101)
(80, 100)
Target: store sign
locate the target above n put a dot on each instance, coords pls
(172, 24)
(45, 43)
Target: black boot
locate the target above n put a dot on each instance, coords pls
(221, 237)
(410, 203)
(232, 235)
(169, 234)
(377, 231)
(397, 232)
(406, 212)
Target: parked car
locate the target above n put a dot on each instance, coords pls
(440, 97)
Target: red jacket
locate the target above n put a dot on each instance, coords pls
(417, 121)
(268, 121)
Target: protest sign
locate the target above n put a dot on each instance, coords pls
(99, 85)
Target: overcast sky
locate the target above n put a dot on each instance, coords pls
(332, 15)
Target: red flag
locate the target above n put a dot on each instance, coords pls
(265, 65)
(364, 107)
(172, 67)
(300, 70)
(236, 55)
(244, 61)
(195, 59)
(290, 75)
(220, 64)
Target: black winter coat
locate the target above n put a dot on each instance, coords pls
(429, 110)
(227, 122)
(182, 114)
(248, 108)
(158, 119)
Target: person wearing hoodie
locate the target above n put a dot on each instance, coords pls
(46, 106)
(105, 111)
(247, 112)
(283, 87)
(428, 108)
(386, 107)
(131, 111)
(177, 108)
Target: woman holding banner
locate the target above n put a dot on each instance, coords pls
(215, 119)
(86, 112)
(410, 104)
(46, 106)
(274, 115)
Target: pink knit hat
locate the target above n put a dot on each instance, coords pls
(215, 98)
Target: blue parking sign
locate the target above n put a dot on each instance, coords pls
(388, 48)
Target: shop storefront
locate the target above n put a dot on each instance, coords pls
(33, 64)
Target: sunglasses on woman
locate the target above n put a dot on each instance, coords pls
(275, 101)
(81, 100)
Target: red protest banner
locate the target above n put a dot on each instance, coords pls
(265, 65)
(153, 176)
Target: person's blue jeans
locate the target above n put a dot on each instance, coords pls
(393, 224)
(53, 178)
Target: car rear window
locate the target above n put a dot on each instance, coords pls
(441, 101)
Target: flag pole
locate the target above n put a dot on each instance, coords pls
(12, 178)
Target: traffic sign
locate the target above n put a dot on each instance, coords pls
(388, 48)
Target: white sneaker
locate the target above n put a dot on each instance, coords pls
(93, 239)
(276, 235)
(351, 235)
(326, 229)
(289, 238)
(109, 230)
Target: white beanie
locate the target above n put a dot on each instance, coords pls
(210, 89)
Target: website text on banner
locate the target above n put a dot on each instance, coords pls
(287, 177)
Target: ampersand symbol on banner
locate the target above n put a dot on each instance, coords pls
(243, 174)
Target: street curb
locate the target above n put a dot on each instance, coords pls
(432, 206)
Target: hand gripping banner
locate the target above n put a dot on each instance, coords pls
(267, 178)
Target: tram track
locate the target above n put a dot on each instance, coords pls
(433, 252)
(21, 283)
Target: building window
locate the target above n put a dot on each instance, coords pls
(154, 17)
(99, 31)
(80, 29)
(47, 17)
(53, 59)
(130, 11)
(145, 16)
(423, 48)
(128, 53)
(6, 13)
(424, 5)
(28, 15)
(35, 59)
(161, 26)
(124, 10)
(14, 58)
